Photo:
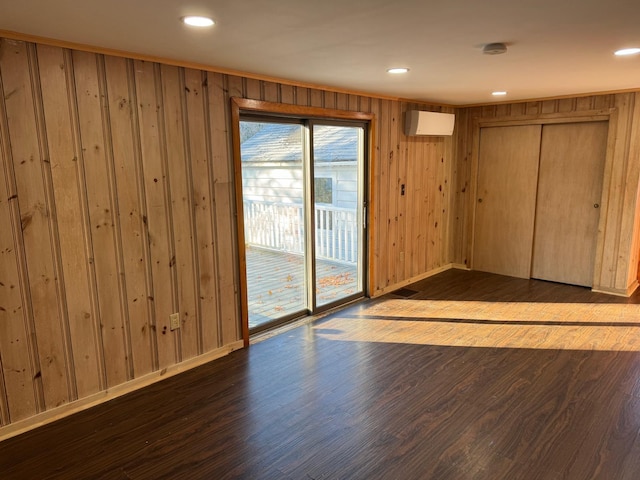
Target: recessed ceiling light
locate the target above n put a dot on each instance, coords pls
(398, 70)
(195, 21)
(498, 93)
(627, 51)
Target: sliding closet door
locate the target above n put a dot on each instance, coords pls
(506, 199)
(572, 160)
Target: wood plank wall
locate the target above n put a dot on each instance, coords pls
(621, 237)
(116, 209)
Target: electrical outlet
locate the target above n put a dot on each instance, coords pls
(174, 320)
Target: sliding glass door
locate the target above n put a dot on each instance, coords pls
(303, 200)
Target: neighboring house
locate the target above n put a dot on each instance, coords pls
(272, 187)
(272, 163)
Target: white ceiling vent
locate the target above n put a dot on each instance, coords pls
(417, 122)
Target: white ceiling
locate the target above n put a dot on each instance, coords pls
(556, 47)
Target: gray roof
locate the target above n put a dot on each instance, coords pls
(281, 142)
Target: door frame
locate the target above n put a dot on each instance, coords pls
(245, 105)
(606, 212)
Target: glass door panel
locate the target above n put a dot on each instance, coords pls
(337, 211)
(274, 220)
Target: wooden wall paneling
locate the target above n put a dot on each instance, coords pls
(549, 106)
(373, 201)
(488, 111)
(59, 97)
(287, 94)
(584, 103)
(566, 105)
(96, 164)
(380, 108)
(182, 225)
(440, 189)
(532, 108)
(626, 274)
(220, 116)
(431, 204)
(16, 67)
(422, 205)
(461, 186)
(353, 102)
(132, 213)
(634, 158)
(19, 397)
(271, 92)
(518, 109)
(395, 226)
(302, 96)
(388, 192)
(330, 100)
(473, 141)
(202, 181)
(410, 167)
(446, 162)
(403, 246)
(149, 95)
(342, 101)
(614, 187)
(254, 89)
(502, 110)
(316, 98)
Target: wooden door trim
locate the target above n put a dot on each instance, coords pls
(609, 114)
(244, 105)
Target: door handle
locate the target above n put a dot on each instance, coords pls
(596, 205)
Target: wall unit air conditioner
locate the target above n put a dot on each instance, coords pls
(417, 122)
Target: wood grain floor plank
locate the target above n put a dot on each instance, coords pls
(365, 393)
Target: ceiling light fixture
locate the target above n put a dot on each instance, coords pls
(494, 48)
(627, 51)
(196, 21)
(498, 93)
(398, 70)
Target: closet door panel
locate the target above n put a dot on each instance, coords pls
(506, 199)
(572, 160)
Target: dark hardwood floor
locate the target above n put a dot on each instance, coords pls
(465, 375)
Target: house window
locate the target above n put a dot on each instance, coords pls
(323, 188)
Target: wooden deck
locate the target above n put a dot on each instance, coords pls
(275, 282)
(467, 376)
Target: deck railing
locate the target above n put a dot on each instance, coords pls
(280, 226)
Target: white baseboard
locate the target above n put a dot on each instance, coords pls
(65, 410)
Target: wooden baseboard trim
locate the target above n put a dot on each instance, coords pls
(411, 280)
(618, 291)
(460, 266)
(63, 411)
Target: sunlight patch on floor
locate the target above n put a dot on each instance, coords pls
(572, 326)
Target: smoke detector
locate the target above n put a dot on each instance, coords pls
(494, 48)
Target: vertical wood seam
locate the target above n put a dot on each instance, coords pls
(212, 200)
(23, 273)
(166, 185)
(190, 202)
(56, 260)
(86, 220)
(623, 192)
(142, 205)
(233, 214)
(225, 90)
(115, 209)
